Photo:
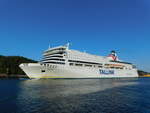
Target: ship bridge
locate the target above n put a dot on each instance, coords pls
(55, 55)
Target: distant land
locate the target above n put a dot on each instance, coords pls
(143, 73)
(9, 67)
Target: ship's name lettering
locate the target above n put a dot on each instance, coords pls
(106, 72)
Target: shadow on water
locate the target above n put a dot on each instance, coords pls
(9, 90)
(124, 95)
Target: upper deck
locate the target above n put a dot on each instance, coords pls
(63, 55)
(59, 49)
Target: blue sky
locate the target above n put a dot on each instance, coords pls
(27, 27)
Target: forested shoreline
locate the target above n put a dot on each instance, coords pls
(9, 65)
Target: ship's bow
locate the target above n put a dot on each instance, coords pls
(32, 70)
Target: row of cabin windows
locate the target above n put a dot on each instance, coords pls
(58, 53)
(54, 56)
(86, 65)
(47, 63)
(114, 67)
(121, 67)
(99, 66)
(57, 49)
(84, 62)
(53, 59)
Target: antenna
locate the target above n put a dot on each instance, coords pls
(84, 51)
(67, 45)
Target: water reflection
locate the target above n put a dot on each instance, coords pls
(75, 95)
(67, 87)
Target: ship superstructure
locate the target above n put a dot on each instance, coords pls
(62, 62)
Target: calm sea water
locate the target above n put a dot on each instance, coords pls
(75, 96)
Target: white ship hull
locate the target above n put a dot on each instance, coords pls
(61, 62)
(36, 70)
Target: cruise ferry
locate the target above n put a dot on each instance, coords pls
(62, 62)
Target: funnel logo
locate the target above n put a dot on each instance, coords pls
(113, 56)
(106, 72)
